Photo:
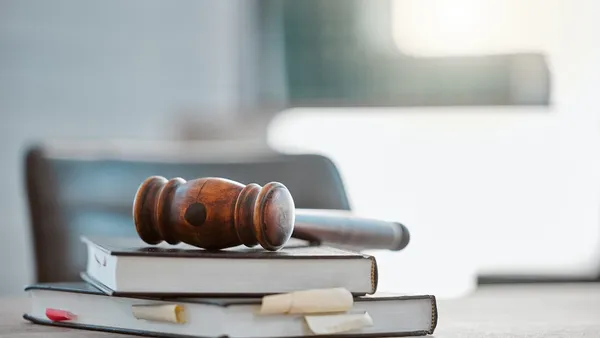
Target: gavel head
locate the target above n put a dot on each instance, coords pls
(213, 213)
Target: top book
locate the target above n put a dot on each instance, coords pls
(123, 266)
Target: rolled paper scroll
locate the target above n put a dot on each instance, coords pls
(169, 313)
(308, 301)
(330, 324)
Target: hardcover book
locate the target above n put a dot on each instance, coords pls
(89, 308)
(128, 266)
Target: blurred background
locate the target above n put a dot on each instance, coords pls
(473, 122)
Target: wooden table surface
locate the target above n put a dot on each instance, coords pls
(549, 310)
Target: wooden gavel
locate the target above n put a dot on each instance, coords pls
(217, 213)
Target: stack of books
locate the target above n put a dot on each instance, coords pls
(183, 291)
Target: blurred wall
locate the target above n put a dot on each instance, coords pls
(103, 69)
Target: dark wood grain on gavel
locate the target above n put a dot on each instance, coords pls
(217, 213)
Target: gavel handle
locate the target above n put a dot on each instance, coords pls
(344, 228)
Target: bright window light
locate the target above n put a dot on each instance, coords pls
(473, 27)
(503, 191)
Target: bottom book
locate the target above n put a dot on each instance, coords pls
(82, 306)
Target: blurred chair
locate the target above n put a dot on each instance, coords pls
(89, 190)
